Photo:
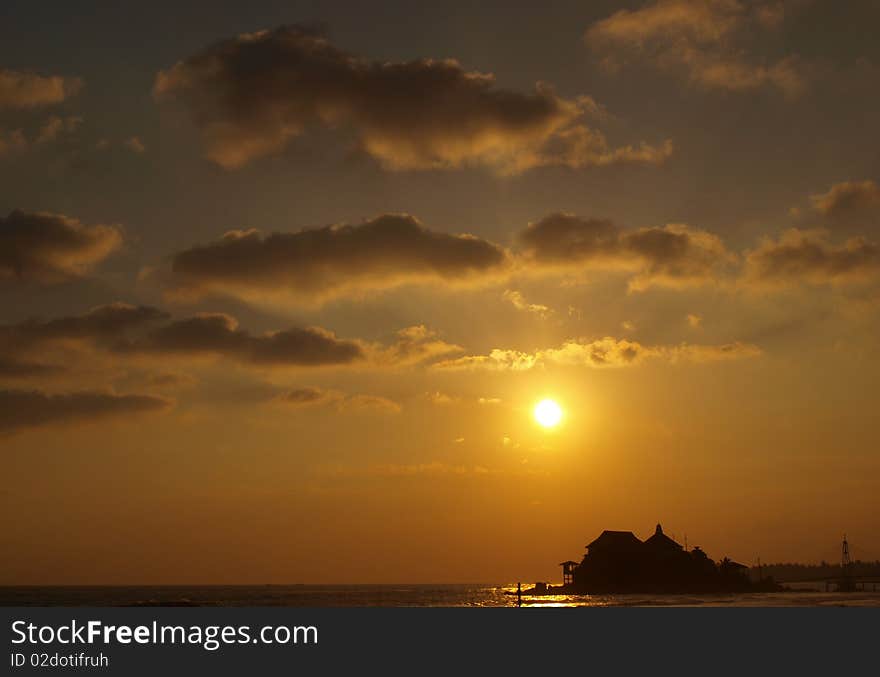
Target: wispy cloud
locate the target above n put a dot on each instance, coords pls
(703, 40)
(24, 89)
(606, 352)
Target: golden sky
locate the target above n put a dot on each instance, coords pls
(282, 288)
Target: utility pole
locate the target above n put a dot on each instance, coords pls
(846, 584)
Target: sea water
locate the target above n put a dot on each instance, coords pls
(404, 595)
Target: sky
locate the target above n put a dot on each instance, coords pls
(282, 282)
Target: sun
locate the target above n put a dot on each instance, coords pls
(548, 414)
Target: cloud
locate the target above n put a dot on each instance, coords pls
(12, 141)
(807, 256)
(124, 331)
(103, 325)
(54, 128)
(105, 322)
(674, 255)
(32, 408)
(850, 202)
(24, 345)
(413, 345)
(57, 126)
(600, 353)
(440, 399)
(518, 301)
(135, 145)
(20, 89)
(309, 396)
(702, 40)
(375, 402)
(13, 368)
(167, 379)
(250, 95)
(304, 396)
(217, 334)
(313, 265)
(47, 248)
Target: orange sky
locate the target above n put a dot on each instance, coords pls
(279, 298)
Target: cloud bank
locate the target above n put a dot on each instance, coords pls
(809, 256)
(46, 248)
(850, 202)
(250, 95)
(218, 334)
(312, 265)
(672, 256)
(32, 408)
(121, 331)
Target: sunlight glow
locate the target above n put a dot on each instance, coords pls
(547, 413)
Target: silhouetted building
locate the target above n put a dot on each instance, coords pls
(617, 561)
(660, 542)
(568, 571)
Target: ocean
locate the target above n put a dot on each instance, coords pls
(454, 595)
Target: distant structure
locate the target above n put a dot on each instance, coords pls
(846, 583)
(618, 562)
(568, 571)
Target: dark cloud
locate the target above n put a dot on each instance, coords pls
(56, 127)
(105, 321)
(124, 330)
(218, 334)
(850, 202)
(32, 408)
(673, 255)
(315, 264)
(102, 324)
(804, 256)
(251, 94)
(24, 345)
(704, 41)
(20, 89)
(12, 140)
(563, 238)
(47, 248)
(15, 368)
(170, 380)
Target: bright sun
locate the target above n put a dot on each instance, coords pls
(547, 413)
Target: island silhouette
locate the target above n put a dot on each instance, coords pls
(619, 562)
